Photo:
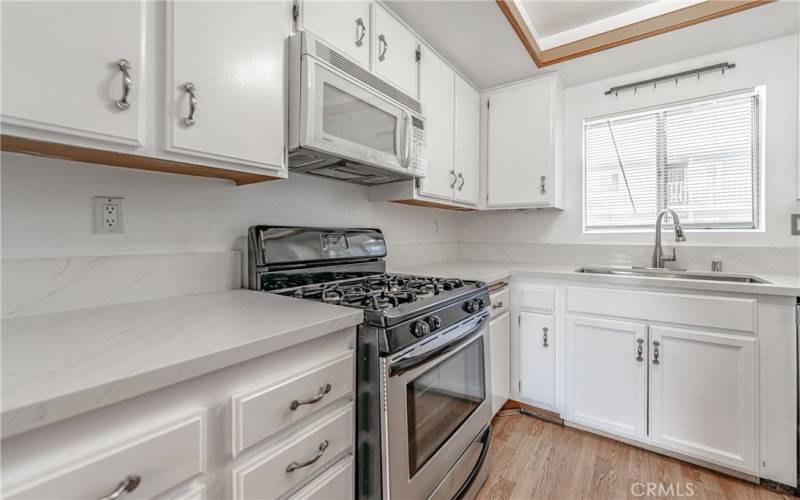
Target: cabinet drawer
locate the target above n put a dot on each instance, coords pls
(269, 472)
(729, 313)
(335, 483)
(500, 301)
(163, 458)
(533, 297)
(262, 412)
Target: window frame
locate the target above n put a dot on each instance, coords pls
(759, 199)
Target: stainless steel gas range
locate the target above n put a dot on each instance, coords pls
(423, 392)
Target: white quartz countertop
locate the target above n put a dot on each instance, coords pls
(491, 271)
(63, 364)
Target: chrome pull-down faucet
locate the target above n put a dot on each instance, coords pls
(658, 253)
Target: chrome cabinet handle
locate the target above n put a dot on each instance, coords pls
(127, 84)
(461, 176)
(361, 32)
(382, 52)
(325, 389)
(542, 189)
(299, 465)
(544, 336)
(497, 305)
(127, 485)
(454, 177)
(192, 91)
(656, 353)
(639, 350)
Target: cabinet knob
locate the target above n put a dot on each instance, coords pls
(127, 485)
(544, 336)
(361, 32)
(383, 46)
(192, 91)
(127, 84)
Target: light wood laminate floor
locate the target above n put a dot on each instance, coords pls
(532, 458)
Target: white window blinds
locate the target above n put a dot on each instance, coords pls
(698, 158)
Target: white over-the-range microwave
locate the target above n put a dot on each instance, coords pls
(347, 123)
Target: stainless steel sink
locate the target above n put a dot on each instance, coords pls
(669, 273)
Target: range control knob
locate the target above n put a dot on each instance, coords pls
(420, 329)
(481, 303)
(471, 306)
(435, 322)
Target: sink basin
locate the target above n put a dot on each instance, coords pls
(669, 273)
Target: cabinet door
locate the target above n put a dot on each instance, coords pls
(467, 134)
(500, 337)
(233, 55)
(519, 144)
(437, 89)
(703, 395)
(537, 367)
(606, 376)
(344, 25)
(395, 51)
(61, 74)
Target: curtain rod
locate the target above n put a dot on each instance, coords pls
(674, 76)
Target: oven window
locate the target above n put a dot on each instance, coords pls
(357, 121)
(440, 400)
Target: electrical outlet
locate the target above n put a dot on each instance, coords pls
(108, 215)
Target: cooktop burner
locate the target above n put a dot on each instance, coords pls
(375, 292)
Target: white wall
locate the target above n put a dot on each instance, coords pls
(47, 210)
(773, 63)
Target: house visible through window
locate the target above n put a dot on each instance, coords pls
(699, 158)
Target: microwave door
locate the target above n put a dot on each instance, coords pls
(350, 121)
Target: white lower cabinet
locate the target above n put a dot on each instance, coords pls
(703, 395)
(606, 375)
(537, 363)
(500, 336)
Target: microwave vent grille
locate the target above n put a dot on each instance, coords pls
(344, 64)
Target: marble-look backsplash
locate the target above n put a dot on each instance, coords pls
(48, 285)
(767, 260)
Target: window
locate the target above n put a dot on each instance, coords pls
(699, 158)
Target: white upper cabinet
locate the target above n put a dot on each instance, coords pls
(344, 25)
(225, 80)
(65, 71)
(523, 157)
(467, 142)
(703, 395)
(394, 54)
(437, 97)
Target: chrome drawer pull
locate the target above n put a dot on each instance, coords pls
(192, 91)
(382, 51)
(299, 465)
(325, 389)
(498, 305)
(361, 31)
(460, 186)
(544, 336)
(656, 354)
(129, 484)
(455, 179)
(127, 84)
(542, 188)
(639, 350)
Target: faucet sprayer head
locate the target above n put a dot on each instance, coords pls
(679, 236)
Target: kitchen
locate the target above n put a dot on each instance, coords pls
(452, 206)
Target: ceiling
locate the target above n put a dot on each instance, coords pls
(475, 36)
(549, 17)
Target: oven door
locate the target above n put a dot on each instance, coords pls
(344, 118)
(435, 410)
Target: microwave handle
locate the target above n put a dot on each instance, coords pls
(405, 149)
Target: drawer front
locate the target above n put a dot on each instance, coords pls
(262, 412)
(162, 458)
(269, 475)
(728, 313)
(541, 298)
(335, 483)
(501, 299)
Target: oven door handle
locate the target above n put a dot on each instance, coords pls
(485, 439)
(460, 335)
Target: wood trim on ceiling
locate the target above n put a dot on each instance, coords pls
(681, 18)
